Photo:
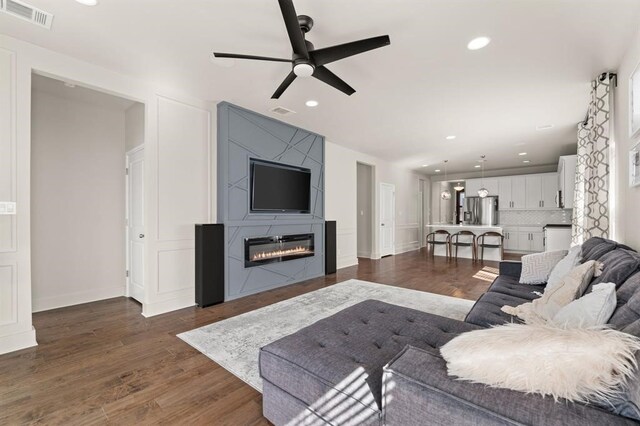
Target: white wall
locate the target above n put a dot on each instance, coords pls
(175, 120)
(77, 202)
(341, 201)
(134, 126)
(627, 200)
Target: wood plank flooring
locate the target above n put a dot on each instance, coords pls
(104, 363)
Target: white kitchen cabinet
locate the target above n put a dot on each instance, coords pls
(549, 191)
(511, 192)
(566, 180)
(537, 241)
(533, 192)
(523, 239)
(541, 191)
(473, 185)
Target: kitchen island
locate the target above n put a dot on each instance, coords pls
(465, 252)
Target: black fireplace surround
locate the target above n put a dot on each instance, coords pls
(262, 250)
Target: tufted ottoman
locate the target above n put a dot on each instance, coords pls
(331, 371)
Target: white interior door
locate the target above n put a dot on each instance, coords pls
(387, 218)
(135, 224)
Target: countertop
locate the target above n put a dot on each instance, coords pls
(451, 225)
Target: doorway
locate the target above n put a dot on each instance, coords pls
(135, 223)
(79, 144)
(366, 208)
(387, 219)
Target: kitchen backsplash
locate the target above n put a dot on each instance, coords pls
(534, 217)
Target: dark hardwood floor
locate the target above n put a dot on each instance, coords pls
(104, 363)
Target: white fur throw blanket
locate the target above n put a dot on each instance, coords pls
(579, 364)
(556, 297)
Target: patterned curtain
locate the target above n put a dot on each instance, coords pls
(591, 202)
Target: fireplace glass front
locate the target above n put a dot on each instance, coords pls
(262, 250)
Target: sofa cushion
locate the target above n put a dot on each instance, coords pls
(510, 286)
(486, 312)
(619, 264)
(626, 317)
(596, 247)
(339, 359)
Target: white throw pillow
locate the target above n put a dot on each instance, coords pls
(537, 267)
(562, 268)
(572, 286)
(591, 309)
(578, 364)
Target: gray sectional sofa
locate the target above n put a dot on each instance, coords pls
(376, 363)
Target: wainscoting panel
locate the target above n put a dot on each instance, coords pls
(347, 243)
(8, 295)
(176, 270)
(7, 147)
(407, 237)
(183, 178)
(242, 135)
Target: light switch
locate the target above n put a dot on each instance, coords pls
(7, 207)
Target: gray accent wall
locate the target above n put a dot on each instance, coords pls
(244, 134)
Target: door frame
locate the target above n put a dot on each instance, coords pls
(393, 228)
(127, 156)
(372, 209)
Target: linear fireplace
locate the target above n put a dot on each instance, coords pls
(261, 250)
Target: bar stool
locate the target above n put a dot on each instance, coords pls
(466, 242)
(481, 244)
(431, 243)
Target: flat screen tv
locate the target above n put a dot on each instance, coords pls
(279, 188)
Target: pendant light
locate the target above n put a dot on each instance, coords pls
(445, 194)
(458, 187)
(483, 192)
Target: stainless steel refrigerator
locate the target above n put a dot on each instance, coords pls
(481, 211)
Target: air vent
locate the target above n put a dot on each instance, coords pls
(27, 12)
(282, 110)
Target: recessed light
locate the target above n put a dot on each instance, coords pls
(311, 103)
(526, 161)
(70, 85)
(478, 43)
(425, 165)
(477, 166)
(522, 153)
(88, 2)
(451, 137)
(437, 170)
(545, 127)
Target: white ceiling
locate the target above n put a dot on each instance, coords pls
(410, 95)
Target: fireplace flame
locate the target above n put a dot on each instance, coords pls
(279, 253)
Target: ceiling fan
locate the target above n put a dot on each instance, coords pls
(306, 60)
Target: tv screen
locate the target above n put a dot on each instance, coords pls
(279, 188)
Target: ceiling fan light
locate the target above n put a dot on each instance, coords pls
(483, 192)
(445, 195)
(303, 70)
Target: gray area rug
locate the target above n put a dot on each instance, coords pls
(234, 343)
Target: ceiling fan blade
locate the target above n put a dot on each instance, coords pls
(330, 54)
(293, 28)
(257, 58)
(283, 86)
(323, 74)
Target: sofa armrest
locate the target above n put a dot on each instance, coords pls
(416, 388)
(511, 268)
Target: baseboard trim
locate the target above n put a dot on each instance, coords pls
(407, 248)
(345, 262)
(71, 299)
(164, 306)
(17, 341)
